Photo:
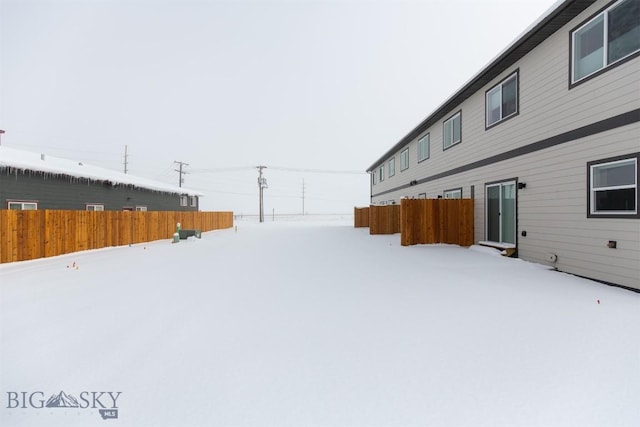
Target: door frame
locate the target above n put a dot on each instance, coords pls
(486, 205)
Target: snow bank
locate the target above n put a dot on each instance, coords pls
(284, 325)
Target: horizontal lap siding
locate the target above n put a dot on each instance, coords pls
(65, 193)
(552, 209)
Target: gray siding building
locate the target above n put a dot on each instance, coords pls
(546, 140)
(36, 181)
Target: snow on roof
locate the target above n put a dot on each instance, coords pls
(25, 160)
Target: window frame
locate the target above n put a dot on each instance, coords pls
(22, 203)
(452, 190)
(381, 172)
(607, 66)
(444, 124)
(141, 209)
(94, 205)
(500, 84)
(193, 201)
(374, 179)
(591, 212)
(392, 166)
(184, 200)
(402, 156)
(426, 136)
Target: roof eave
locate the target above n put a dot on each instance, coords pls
(550, 22)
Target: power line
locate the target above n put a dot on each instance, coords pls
(346, 172)
(181, 172)
(278, 168)
(70, 150)
(218, 170)
(165, 172)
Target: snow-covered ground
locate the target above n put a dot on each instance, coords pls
(312, 323)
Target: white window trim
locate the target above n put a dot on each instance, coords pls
(97, 207)
(392, 167)
(373, 178)
(381, 172)
(183, 201)
(592, 189)
(193, 201)
(421, 142)
(402, 156)
(22, 204)
(447, 194)
(444, 125)
(141, 209)
(605, 50)
(499, 87)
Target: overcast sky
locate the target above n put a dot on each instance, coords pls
(310, 89)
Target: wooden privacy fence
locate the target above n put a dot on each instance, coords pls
(28, 235)
(426, 221)
(384, 219)
(360, 217)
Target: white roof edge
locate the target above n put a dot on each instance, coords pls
(37, 162)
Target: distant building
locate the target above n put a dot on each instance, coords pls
(36, 181)
(546, 140)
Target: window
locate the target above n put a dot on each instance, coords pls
(95, 207)
(613, 187)
(183, 200)
(404, 159)
(193, 201)
(608, 38)
(22, 206)
(502, 100)
(392, 167)
(452, 130)
(373, 178)
(381, 172)
(452, 194)
(141, 208)
(423, 148)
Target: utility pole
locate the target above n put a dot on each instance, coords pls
(302, 196)
(126, 160)
(262, 184)
(1, 132)
(181, 180)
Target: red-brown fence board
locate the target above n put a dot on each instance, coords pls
(427, 221)
(28, 235)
